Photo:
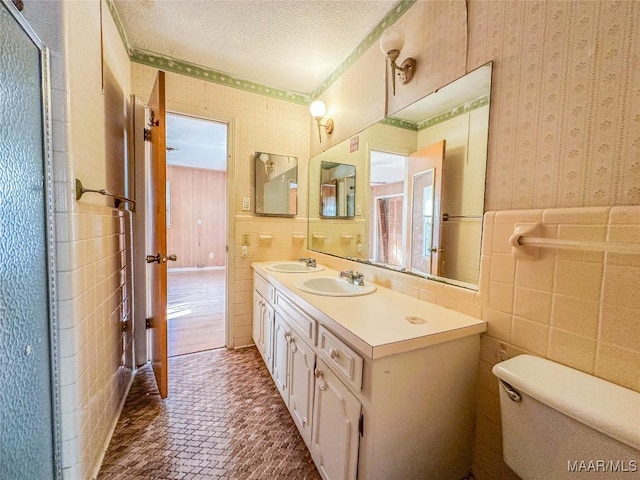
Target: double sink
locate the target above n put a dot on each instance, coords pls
(325, 286)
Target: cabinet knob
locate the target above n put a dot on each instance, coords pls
(319, 374)
(304, 420)
(333, 353)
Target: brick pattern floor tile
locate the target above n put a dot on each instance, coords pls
(224, 419)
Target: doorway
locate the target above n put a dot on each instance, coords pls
(196, 210)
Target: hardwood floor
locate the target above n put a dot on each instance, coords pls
(196, 310)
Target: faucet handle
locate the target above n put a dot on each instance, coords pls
(308, 261)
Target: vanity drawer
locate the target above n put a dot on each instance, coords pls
(342, 359)
(299, 319)
(263, 287)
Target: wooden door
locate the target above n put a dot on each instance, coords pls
(424, 246)
(157, 258)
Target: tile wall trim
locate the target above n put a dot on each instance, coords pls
(214, 76)
(441, 118)
(119, 25)
(389, 19)
(222, 78)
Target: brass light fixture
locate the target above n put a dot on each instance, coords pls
(318, 110)
(391, 43)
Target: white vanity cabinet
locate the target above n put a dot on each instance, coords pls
(294, 361)
(374, 395)
(302, 361)
(263, 318)
(336, 420)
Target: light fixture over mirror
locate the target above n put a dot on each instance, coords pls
(318, 110)
(391, 43)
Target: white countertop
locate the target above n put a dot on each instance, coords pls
(376, 324)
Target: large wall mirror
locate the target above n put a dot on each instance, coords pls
(418, 196)
(276, 184)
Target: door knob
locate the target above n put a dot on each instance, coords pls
(161, 258)
(154, 258)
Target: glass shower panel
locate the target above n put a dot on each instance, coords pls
(26, 418)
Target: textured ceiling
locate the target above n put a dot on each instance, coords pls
(290, 45)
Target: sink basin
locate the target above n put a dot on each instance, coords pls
(334, 287)
(293, 267)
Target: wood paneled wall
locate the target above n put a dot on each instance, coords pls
(198, 216)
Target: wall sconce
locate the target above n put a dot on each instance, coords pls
(391, 43)
(318, 110)
(268, 164)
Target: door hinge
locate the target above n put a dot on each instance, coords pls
(361, 425)
(124, 324)
(147, 323)
(147, 134)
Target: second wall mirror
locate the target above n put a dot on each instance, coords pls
(276, 184)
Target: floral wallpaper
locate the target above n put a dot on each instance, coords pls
(565, 113)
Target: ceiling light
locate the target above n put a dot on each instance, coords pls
(391, 43)
(318, 110)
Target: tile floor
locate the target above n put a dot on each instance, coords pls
(224, 419)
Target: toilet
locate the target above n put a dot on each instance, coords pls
(559, 423)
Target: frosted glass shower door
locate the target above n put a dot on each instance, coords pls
(26, 405)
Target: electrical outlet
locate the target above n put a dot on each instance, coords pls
(246, 204)
(358, 209)
(211, 255)
(245, 251)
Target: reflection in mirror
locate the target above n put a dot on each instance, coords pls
(386, 201)
(337, 190)
(276, 184)
(424, 174)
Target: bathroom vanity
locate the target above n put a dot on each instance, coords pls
(380, 386)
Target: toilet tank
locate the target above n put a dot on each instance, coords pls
(559, 423)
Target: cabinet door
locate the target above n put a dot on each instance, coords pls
(301, 368)
(336, 435)
(281, 335)
(258, 323)
(267, 334)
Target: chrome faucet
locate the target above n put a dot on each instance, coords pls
(309, 262)
(356, 278)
